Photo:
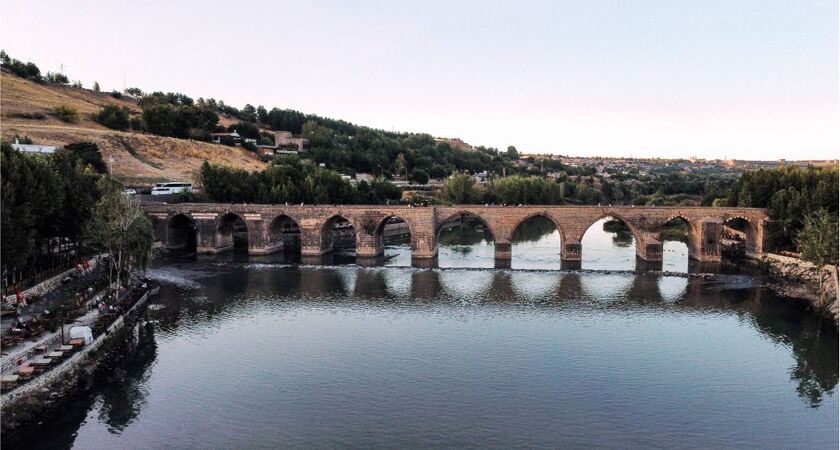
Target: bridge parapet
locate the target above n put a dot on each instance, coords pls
(265, 225)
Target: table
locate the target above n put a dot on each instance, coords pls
(65, 348)
(25, 371)
(77, 341)
(41, 362)
(8, 380)
(55, 354)
(40, 348)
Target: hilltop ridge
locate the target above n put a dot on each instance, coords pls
(27, 109)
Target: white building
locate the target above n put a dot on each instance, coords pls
(32, 148)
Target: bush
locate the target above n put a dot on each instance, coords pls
(34, 116)
(420, 176)
(24, 70)
(88, 153)
(114, 117)
(67, 114)
(137, 124)
(116, 94)
(60, 78)
(250, 146)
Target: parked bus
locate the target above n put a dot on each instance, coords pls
(171, 188)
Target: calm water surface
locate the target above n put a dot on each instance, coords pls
(256, 353)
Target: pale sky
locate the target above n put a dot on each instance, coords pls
(746, 79)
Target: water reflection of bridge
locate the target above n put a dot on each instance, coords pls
(595, 292)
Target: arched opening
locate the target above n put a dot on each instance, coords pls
(339, 236)
(465, 240)
(536, 244)
(677, 237)
(181, 234)
(737, 238)
(284, 234)
(232, 232)
(393, 236)
(608, 244)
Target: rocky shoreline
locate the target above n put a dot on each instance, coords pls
(791, 277)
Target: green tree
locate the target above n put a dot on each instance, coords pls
(249, 113)
(818, 242)
(114, 117)
(400, 166)
(96, 86)
(318, 135)
(512, 153)
(419, 176)
(459, 188)
(88, 154)
(262, 115)
(118, 227)
(55, 77)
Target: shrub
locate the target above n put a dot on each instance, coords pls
(54, 77)
(420, 176)
(88, 153)
(116, 94)
(137, 124)
(67, 114)
(114, 117)
(34, 116)
(24, 70)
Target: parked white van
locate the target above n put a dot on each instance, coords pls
(171, 188)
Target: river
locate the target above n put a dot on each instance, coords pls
(245, 352)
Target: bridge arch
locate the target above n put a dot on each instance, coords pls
(673, 231)
(232, 230)
(458, 234)
(599, 253)
(535, 238)
(637, 235)
(742, 228)
(546, 215)
(181, 233)
(337, 231)
(399, 228)
(283, 232)
(465, 213)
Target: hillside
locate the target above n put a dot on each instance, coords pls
(26, 109)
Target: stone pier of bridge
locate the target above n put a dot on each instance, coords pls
(316, 230)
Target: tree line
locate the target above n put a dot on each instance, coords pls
(288, 179)
(791, 195)
(49, 203)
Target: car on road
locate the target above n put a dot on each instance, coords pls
(129, 191)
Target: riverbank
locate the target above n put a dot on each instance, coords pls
(792, 277)
(43, 395)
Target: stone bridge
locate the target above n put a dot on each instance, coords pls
(210, 227)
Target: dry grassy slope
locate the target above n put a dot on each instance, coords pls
(138, 158)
